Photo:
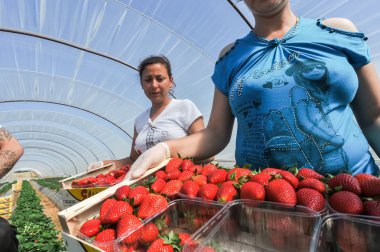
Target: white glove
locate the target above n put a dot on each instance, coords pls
(94, 165)
(149, 159)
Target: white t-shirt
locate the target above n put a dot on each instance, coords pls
(172, 123)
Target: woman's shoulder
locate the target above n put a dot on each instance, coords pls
(183, 102)
(340, 23)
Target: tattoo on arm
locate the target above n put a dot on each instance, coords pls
(7, 161)
(5, 135)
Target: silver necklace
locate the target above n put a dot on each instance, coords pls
(277, 41)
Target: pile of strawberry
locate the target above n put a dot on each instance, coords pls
(101, 180)
(359, 194)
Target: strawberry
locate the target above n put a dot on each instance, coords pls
(173, 164)
(159, 245)
(372, 207)
(308, 173)
(279, 190)
(200, 179)
(310, 198)
(137, 194)
(198, 169)
(312, 183)
(207, 249)
(128, 223)
(261, 178)
(290, 177)
(171, 188)
(190, 188)
(217, 176)
(106, 236)
(158, 185)
(173, 175)
(183, 237)
(271, 171)
(104, 209)
(151, 204)
(187, 165)
(346, 182)
(117, 211)
(160, 174)
(208, 169)
(185, 175)
(226, 193)
(149, 233)
(346, 202)
(252, 190)
(369, 184)
(236, 173)
(90, 228)
(122, 192)
(208, 191)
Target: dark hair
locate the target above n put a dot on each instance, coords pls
(8, 239)
(154, 60)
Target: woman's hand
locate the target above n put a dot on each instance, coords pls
(149, 159)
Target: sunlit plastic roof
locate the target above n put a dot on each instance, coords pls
(69, 87)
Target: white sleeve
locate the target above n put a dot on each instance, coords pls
(189, 113)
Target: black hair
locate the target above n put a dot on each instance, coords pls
(154, 60)
(8, 239)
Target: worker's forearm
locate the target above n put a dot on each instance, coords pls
(7, 161)
(372, 134)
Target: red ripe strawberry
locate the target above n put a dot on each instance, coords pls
(372, 207)
(208, 191)
(290, 177)
(104, 209)
(158, 185)
(200, 179)
(173, 165)
(261, 178)
(271, 171)
(310, 198)
(346, 181)
(122, 192)
(183, 237)
(198, 169)
(369, 184)
(90, 228)
(151, 204)
(190, 188)
(279, 190)
(117, 211)
(173, 175)
(185, 175)
(312, 183)
(346, 202)
(207, 249)
(226, 193)
(252, 190)
(171, 188)
(160, 174)
(159, 245)
(187, 165)
(308, 173)
(218, 176)
(137, 194)
(208, 169)
(235, 173)
(106, 236)
(149, 233)
(126, 225)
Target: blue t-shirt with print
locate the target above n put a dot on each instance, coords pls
(291, 99)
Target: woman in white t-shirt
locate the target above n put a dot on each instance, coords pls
(166, 119)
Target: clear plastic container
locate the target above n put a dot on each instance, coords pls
(247, 225)
(181, 216)
(345, 232)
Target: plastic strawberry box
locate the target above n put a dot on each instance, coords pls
(247, 225)
(345, 232)
(182, 216)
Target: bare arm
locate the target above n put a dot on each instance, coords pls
(211, 140)
(10, 151)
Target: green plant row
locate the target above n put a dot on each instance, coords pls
(51, 183)
(35, 230)
(6, 187)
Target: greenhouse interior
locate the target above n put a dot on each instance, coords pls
(242, 170)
